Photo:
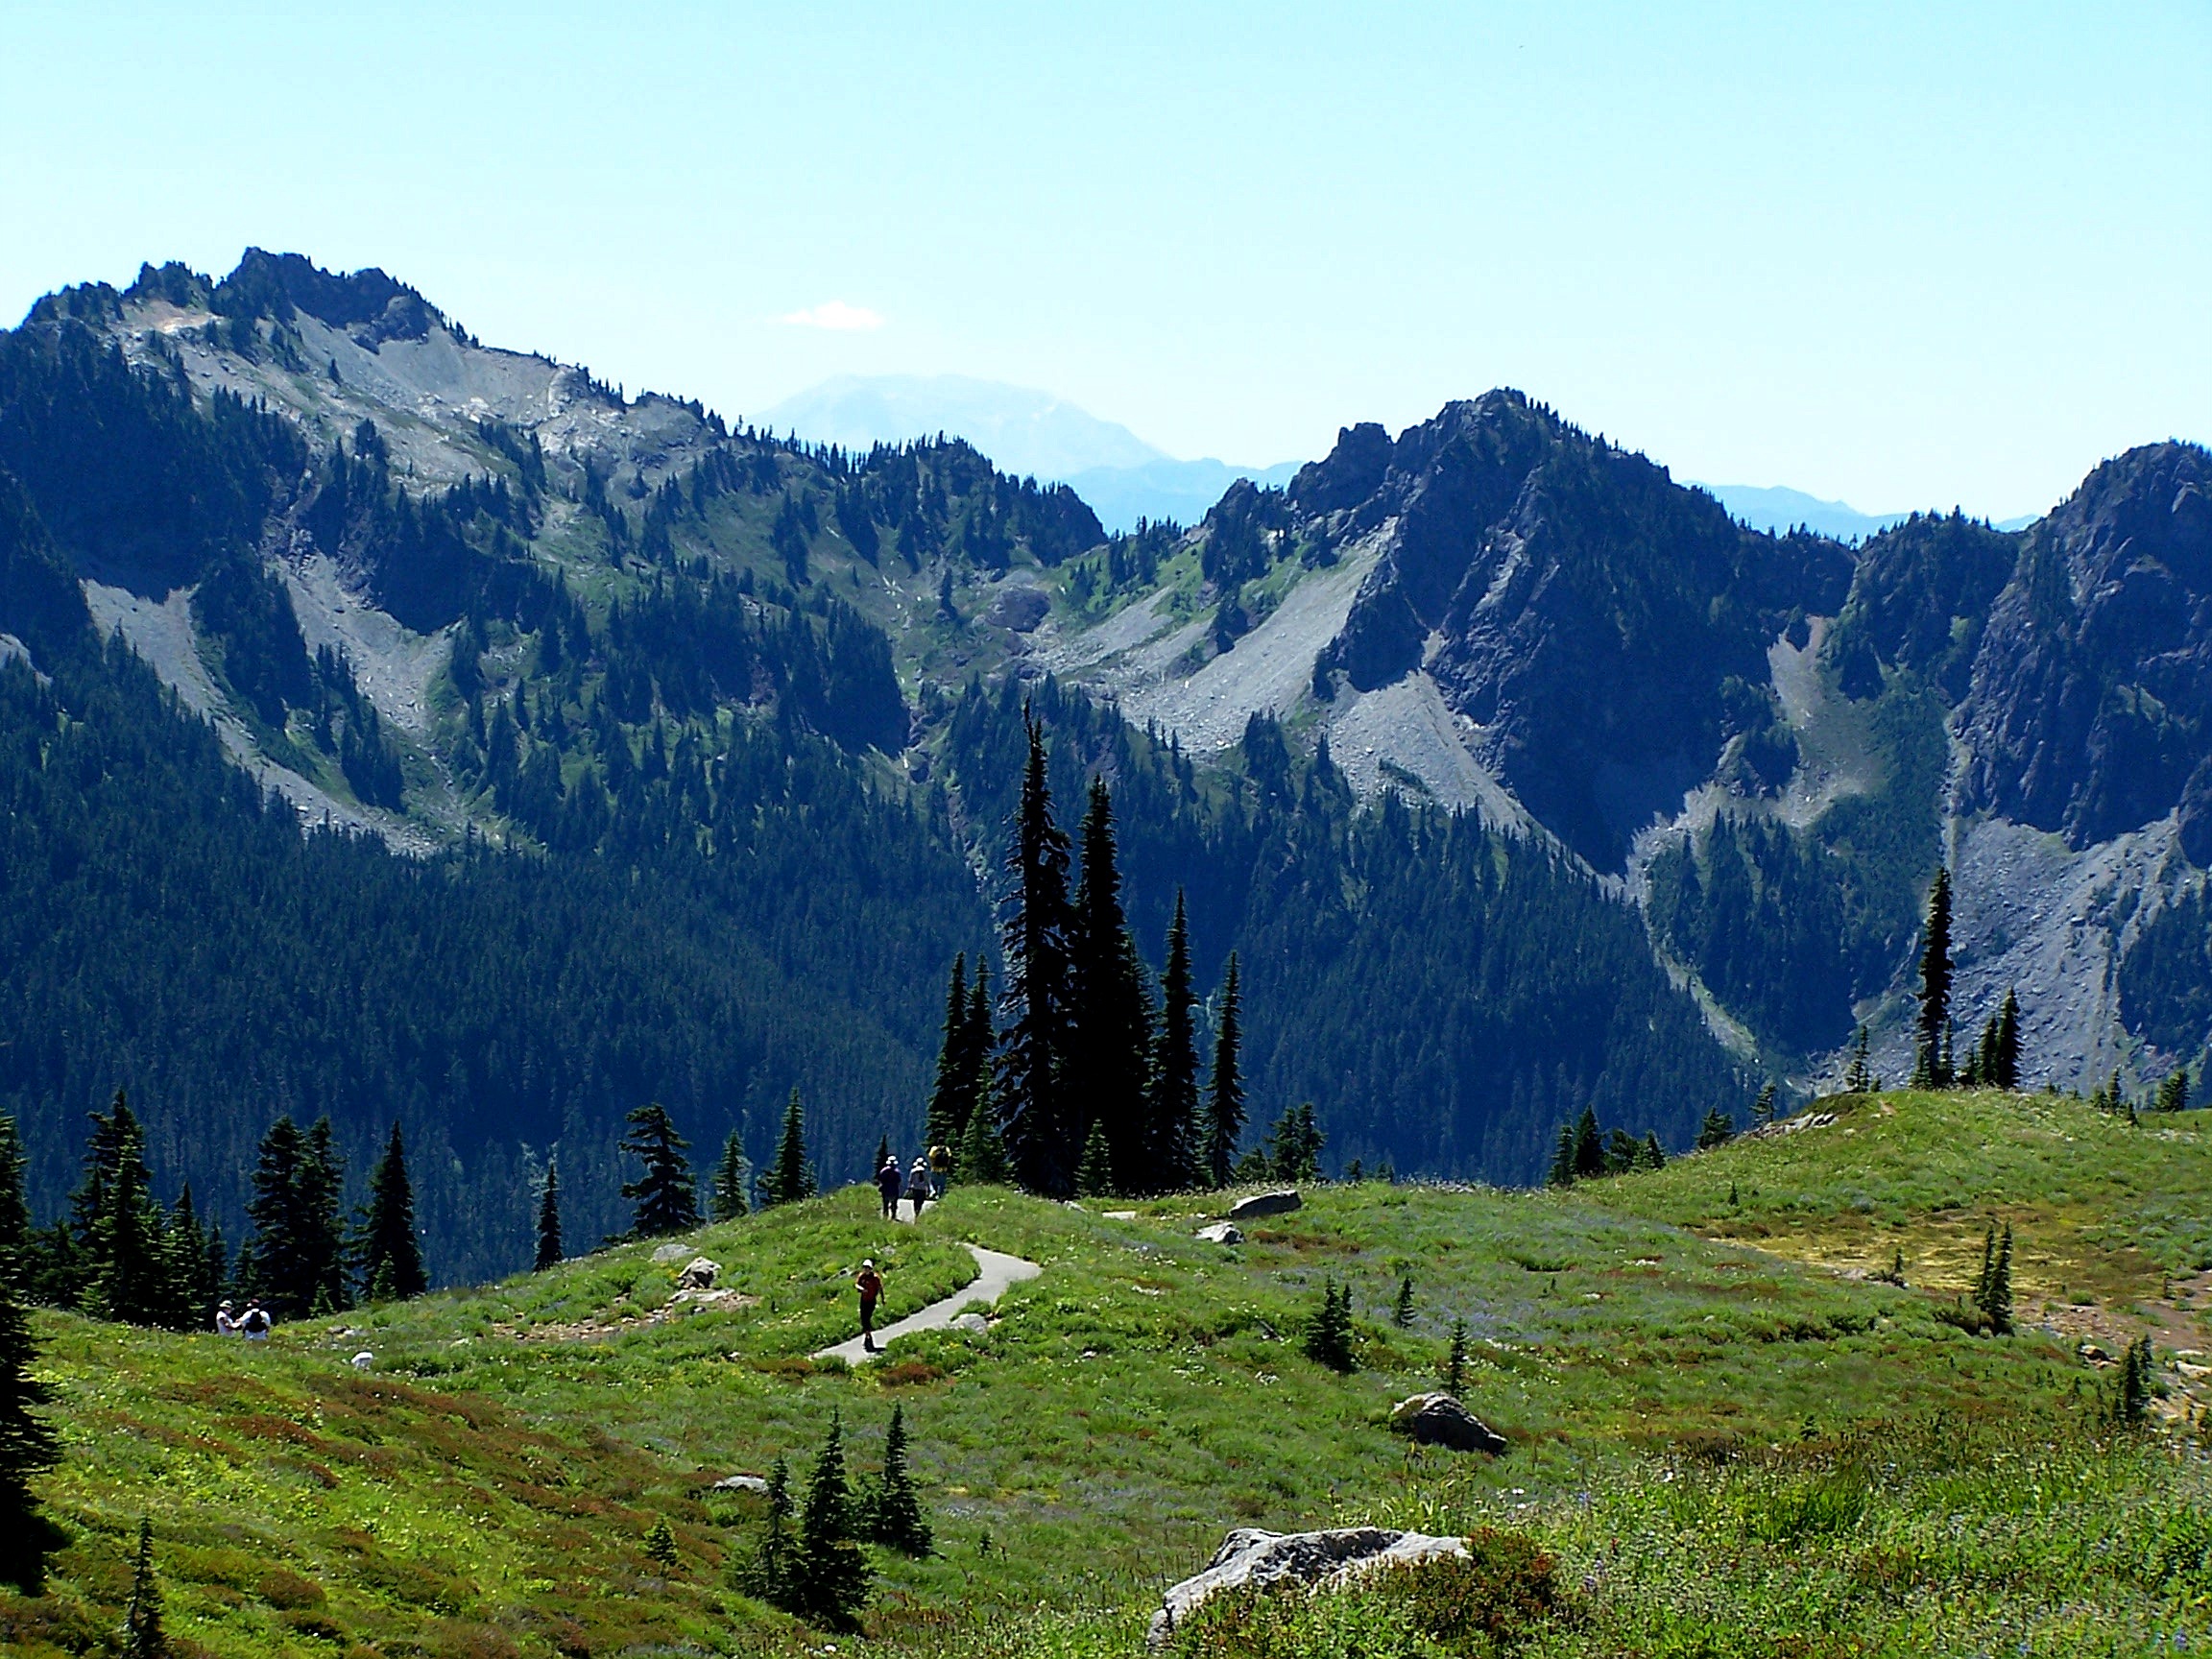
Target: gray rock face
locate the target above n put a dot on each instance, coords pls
(1222, 1232)
(975, 1323)
(1319, 1560)
(741, 1483)
(1276, 1202)
(699, 1275)
(1440, 1420)
(1018, 608)
(672, 1251)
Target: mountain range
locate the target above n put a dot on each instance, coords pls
(396, 727)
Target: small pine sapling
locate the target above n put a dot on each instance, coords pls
(1328, 1333)
(1456, 1361)
(661, 1545)
(1402, 1313)
(142, 1634)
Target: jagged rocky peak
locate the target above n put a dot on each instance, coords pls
(1602, 628)
(2090, 711)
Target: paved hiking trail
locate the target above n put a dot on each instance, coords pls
(998, 1271)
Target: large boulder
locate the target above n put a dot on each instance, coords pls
(1275, 1203)
(1222, 1232)
(741, 1483)
(674, 1251)
(1440, 1420)
(1317, 1560)
(697, 1275)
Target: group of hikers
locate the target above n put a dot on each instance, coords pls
(253, 1324)
(923, 1184)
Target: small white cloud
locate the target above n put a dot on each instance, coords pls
(835, 314)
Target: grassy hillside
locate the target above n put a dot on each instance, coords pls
(1723, 1444)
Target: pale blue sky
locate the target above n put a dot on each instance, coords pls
(1909, 255)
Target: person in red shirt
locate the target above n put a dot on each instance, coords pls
(870, 1285)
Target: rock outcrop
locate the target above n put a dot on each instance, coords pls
(1323, 1560)
(1438, 1419)
(1276, 1203)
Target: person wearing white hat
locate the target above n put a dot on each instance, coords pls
(225, 1324)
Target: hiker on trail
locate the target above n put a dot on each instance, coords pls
(888, 1183)
(254, 1327)
(941, 1168)
(870, 1285)
(918, 1188)
(225, 1324)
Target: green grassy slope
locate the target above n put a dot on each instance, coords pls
(1720, 1444)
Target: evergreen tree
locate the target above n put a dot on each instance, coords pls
(1651, 1155)
(2005, 1072)
(952, 1094)
(2173, 1092)
(189, 1288)
(828, 1577)
(130, 1257)
(892, 1509)
(1455, 1363)
(1174, 1105)
(982, 1155)
(1993, 1288)
(391, 1250)
(1763, 1108)
(1224, 1122)
(1328, 1333)
(1294, 1146)
(733, 1178)
(1931, 1058)
(15, 1212)
(1717, 1130)
(666, 1196)
(142, 1637)
(322, 1214)
(1860, 1079)
(1402, 1312)
(1041, 1139)
(1563, 1158)
(27, 1447)
(1589, 1145)
(548, 1251)
(2131, 1406)
(767, 1574)
(661, 1543)
(1109, 1053)
(112, 1131)
(1094, 1176)
(792, 1179)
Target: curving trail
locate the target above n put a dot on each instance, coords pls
(997, 1270)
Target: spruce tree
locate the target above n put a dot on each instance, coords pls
(130, 1259)
(1174, 1103)
(2005, 1073)
(666, 1196)
(1562, 1172)
(2131, 1406)
(981, 1159)
(1094, 1176)
(1329, 1332)
(1996, 1297)
(828, 1577)
(1041, 1136)
(28, 1447)
(1224, 1120)
(102, 1150)
(1860, 1079)
(390, 1251)
(891, 1508)
(767, 1574)
(1931, 1058)
(1402, 1312)
(1455, 1363)
(15, 1212)
(142, 1636)
(1110, 1039)
(733, 1177)
(189, 1291)
(952, 1093)
(792, 1178)
(2173, 1092)
(323, 1219)
(661, 1543)
(548, 1253)
(1763, 1108)
(1294, 1146)
(1589, 1145)
(1651, 1155)
(1717, 1130)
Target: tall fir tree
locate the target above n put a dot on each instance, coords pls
(1589, 1145)
(1110, 1039)
(732, 1179)
(1717, 1130)
(391, 1250)
(130, 1260)
(1562, 1172)
(2004, 1074)
(322, 1207)
(1224, 1120)
(981, 1159)
(27, 1448)
(951, 1092)
(142, 1633)
(1171, 1155)
(1930, 1050)
(189, 1292)
(276, 1264)
(792, 1177)
(664, 1197)
(103, 1151)
(1763, 1108)
(1041, 1139)
(15, 1212)
(1860, 1079)
(548, 1251)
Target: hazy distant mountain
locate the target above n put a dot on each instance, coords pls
(1024, 431)
(1777, 511)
